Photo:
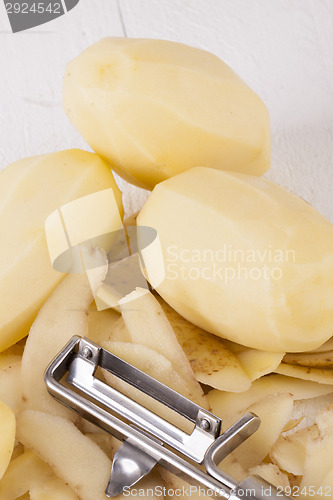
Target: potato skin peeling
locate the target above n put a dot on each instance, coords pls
(75, 458)
(272, 287)
(155, 108)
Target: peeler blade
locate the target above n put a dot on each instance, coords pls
(129, 466)
(149, 439)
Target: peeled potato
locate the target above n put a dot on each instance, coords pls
(154, 108)
(7, 436)
(30, 190)
(244, 259)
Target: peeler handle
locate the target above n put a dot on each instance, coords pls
(103, 398)
(253, 487)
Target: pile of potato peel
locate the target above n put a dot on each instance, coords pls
(57, 451)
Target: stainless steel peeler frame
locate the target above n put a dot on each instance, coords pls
(148, 438)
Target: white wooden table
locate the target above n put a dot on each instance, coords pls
(282, 48)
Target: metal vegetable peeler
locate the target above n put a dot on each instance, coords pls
(147, 438)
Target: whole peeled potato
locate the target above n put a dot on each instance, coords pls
(154, 108)
(244, 259)
(30, 189)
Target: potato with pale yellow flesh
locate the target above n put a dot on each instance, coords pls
(63, 315)
(244, 259)
(30, 190)
(154, 108)
(7, 436)
(232, 406)
(148, 325)
(17, 451)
